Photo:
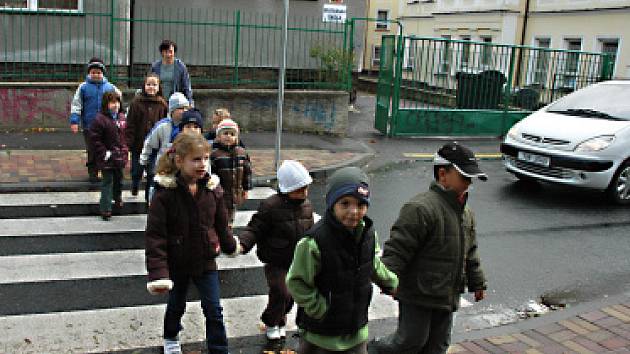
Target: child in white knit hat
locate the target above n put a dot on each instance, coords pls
(281, 220)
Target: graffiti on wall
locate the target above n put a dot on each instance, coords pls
(321, 113)
(29, 106)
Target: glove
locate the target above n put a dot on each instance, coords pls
(237, 251)
(159, 286)
(108, 154)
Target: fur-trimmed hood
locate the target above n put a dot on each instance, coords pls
(170, 181)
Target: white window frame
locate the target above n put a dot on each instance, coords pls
(376, 59)
(569, 78)
(600, 46)
(541, 75)
(466, 52)
(445, 55)
(382, 25)
(33, 6)
(486, 52)
(410, 54)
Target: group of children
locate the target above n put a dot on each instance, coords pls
(148, 131)
(327, 267)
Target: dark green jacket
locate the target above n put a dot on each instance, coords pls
(433, 249)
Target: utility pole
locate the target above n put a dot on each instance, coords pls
(281, 79)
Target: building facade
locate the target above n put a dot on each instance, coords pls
(583, 25)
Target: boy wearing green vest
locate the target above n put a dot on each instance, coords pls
(333, 268)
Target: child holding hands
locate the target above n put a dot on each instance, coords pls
(333, 268)
(279, 223)
(187, 228)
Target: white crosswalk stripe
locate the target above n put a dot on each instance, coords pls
(66, 288)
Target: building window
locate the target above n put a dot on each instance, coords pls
(445, 55)
(376, 56)
(610, 46)
(465, 52)
(410, 54)
(42, 5)
(541, 68)
(571, 63)
(486, 51)
(382, 17)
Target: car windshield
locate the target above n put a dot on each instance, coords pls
(605, 101)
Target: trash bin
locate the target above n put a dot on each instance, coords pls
(480, 91)
(465, 95)
(526, 98)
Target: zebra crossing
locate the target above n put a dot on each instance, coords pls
(72, 283)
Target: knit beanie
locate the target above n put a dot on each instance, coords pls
(347, 181)
(227, 124)
(292, 176)
(177, 100)
(191, 116)
(96, 63)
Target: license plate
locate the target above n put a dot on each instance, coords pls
(534, 159)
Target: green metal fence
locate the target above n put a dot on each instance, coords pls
(221, 48)
(457, 87)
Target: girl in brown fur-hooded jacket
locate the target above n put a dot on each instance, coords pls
(187, 228)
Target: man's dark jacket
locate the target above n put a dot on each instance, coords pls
(433, 250)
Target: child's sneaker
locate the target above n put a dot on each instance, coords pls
(273, 333)
(283, 332)
(172, 346)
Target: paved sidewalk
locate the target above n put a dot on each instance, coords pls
(601, 330)
(30, 166)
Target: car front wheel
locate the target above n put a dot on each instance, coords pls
(619, 189)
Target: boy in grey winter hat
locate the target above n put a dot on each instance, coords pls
(333, 267)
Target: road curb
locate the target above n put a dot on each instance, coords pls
(544, 320)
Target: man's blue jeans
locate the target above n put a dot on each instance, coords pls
(208, 287)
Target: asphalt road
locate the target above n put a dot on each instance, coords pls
(568, 245)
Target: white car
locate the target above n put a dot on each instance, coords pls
(581, 140)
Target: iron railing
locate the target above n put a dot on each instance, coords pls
(220, 48)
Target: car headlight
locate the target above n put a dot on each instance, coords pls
(595, 144)
(513, 133)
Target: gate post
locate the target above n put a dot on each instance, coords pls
(236, 44)
(507, 91)
(112, 74)
(397, 82)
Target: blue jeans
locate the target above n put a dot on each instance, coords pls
(208, 287)
(136, 170)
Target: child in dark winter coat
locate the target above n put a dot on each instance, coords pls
(187, 228)
(231, 163)
(333, 267)
(107, 138)
(279, 223)
(86, 103)
(146, 109)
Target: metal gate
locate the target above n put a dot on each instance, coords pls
(444, 87)
(385, 87)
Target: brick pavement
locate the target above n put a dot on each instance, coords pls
(69, 165)
(606, 330)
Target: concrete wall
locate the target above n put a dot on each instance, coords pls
(26, 106)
